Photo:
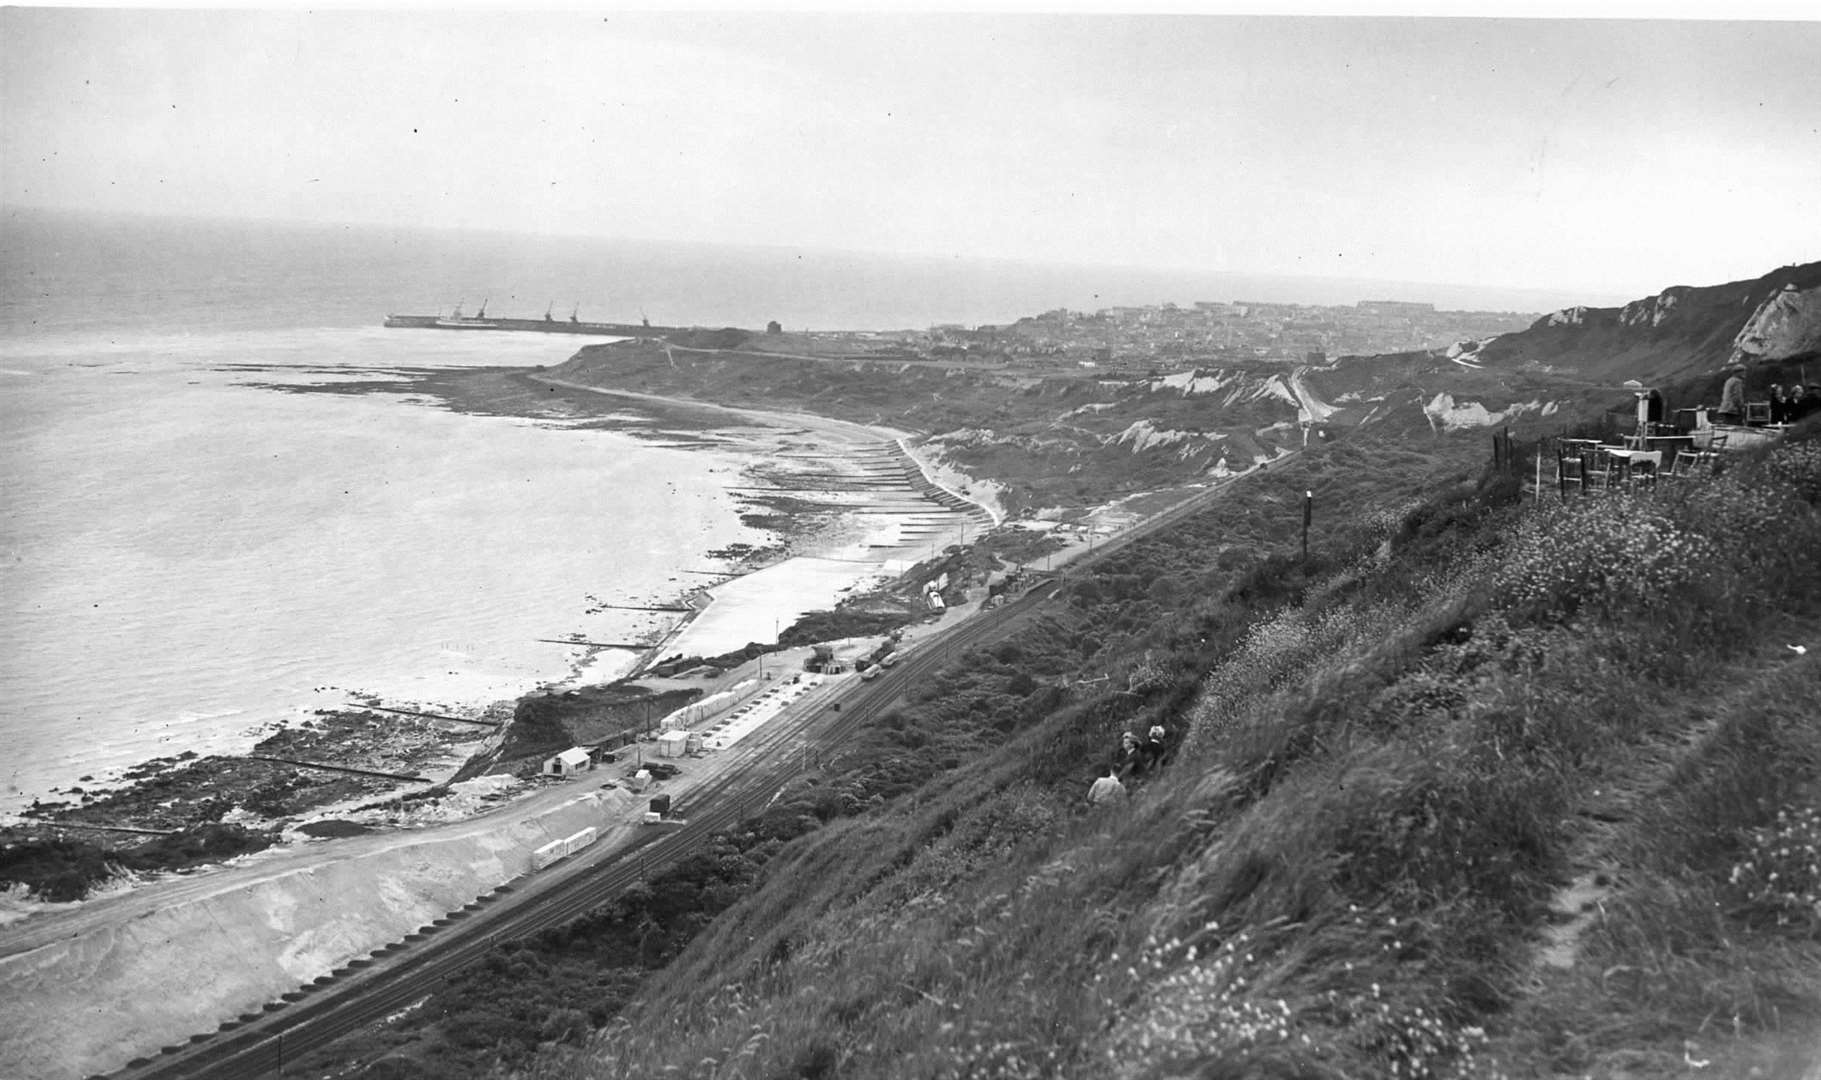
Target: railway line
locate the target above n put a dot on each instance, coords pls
(367, 990)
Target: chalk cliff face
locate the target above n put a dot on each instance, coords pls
(1786, 324)
(1653, 310)
(1682, 331)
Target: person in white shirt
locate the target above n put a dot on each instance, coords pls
(1107, 789)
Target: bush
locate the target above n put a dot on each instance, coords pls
(1781, 870)
(1603, 554)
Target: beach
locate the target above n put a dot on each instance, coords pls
(842, 507)
(863, 516)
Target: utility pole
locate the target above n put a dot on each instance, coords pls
(1308, 514)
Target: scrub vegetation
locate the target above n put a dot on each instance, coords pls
(1392, 766)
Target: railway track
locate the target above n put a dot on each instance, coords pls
(370, 989)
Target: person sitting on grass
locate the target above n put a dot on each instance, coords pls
(1107, 790)
(1131, 762)
(1154, 747)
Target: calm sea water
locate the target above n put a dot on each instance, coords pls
(186, 557)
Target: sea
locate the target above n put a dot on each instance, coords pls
(190, 555)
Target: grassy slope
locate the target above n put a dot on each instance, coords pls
(1347, 867)
(1162, 612)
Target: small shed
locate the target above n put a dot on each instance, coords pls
(673, 743)
(573, 760)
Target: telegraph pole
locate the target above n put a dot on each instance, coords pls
(1308, 515)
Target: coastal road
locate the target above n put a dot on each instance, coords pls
(367, 991)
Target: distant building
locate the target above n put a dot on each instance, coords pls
(1405, 308)
(774, 327)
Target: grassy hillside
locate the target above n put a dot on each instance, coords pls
(1123, 652)
(1389, 768)
(1480, 787)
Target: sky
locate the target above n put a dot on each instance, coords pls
(1608, 156)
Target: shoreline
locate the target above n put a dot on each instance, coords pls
(830, 550)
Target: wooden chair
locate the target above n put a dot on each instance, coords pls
(1682, 466)
(1757, 412)
(1596, 469)
(1568, 471)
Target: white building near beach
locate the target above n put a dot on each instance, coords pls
(571, 761)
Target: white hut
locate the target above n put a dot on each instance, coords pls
(573, 760)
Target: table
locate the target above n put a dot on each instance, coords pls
(1633, 458)
(1659, 442)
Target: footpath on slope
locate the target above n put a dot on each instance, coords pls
(1607, 813)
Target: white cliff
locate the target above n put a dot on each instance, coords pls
(1785, 325)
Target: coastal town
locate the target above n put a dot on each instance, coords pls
(1171, 336)
(1167, 336)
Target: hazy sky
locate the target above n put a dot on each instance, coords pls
(1616, 157)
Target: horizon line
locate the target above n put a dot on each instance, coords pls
(1556, 295)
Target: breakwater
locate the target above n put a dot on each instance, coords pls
(534, 326)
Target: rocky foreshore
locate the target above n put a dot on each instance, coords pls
(253, 789)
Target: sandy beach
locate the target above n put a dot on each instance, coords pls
(888, 509)
(856, 507)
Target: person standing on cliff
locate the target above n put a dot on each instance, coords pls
(1732, 396)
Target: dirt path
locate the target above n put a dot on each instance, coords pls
(1608, 810)
(1612, 807)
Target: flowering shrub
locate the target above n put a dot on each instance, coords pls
(1194, 1006)
(1274, 651)
(1606, 553)
(1795, 470)
(1781, 871)
(1204, 1006)
(1412, 1041)
(1745, 517)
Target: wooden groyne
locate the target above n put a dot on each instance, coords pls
(350, 770)
(631, 646)
(106, 828)
(636, 607)
(425, 715)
